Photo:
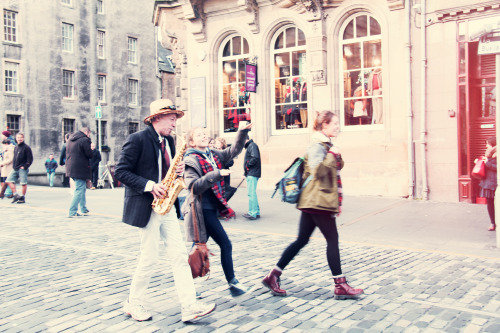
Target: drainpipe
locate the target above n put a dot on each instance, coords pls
(411, 147)
(423, 83)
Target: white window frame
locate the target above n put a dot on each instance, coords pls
(10, 29)
(100, 6)
(101, 88)
(221, 85)
(101, 44)
(132, 50)
(71, 84)
(67, 2)
(133, 92)
(290, 131)
(68, 31)
(342, 99)
(11, 74)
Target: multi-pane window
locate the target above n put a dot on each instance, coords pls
(361, 63)
(133, 127)
(132, 50)
(11, 77)
(10, 26)
(235, 101)
(68, 84)
(67, 37)
(13, 124)
(66, 2)
(101, 39)
(101, 88)
(290, 81)
(100, 6)
(133, 88)
(103, 134)
(68, 127)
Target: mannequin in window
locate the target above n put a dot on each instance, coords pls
(359, 106)
(375, 89)
(292, 111)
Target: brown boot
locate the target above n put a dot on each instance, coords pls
(2, 191)
(345, 291)
(272, 282)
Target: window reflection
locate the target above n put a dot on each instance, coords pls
(290, 84)
(235, 99)
(362, 72)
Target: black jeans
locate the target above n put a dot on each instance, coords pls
(328, 227)
(95, 176)
(218, 234)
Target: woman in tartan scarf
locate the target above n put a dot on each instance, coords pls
(204, 177)
(319, 202)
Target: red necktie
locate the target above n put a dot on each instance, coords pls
(166, 160)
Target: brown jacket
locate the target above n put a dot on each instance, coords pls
(8, 159)
(322, 191)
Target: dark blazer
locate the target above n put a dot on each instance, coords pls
(137, 165)
(78, 154)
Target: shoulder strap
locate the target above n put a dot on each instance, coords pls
(193, 218)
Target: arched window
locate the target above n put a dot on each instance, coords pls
(235, 101)
(361, 63)
(289, 70)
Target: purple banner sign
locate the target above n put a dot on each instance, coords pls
(250, 78)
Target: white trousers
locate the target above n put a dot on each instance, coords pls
(163, 228)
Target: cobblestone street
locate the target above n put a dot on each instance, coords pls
(59, 274)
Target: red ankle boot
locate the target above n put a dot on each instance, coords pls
(345, 291)
(272, 282)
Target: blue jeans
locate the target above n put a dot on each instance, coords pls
(253, 203)
(79, 197)
(218, 234)
(50, 177)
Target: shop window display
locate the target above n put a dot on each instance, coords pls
(290, 83)
(236, 104)
(361, 47)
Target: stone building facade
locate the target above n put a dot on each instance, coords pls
(62, 58)
(401, 74)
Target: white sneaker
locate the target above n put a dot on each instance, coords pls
(138, 312)
(196, 310)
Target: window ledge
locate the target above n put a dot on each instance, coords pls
(6, 42)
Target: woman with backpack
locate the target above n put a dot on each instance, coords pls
(319, 202)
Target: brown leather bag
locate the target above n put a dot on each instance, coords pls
(198, 257)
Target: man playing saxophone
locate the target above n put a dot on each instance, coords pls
(144, 161)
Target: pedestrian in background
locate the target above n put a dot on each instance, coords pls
(50, 167)
(204, 179)
(94, 165)
(23, 158)
(488, 185)
(62, 161)
(6, 165)
(252, 172)
(8, 135)
(78, 154)
(211, 143)
(318, 208)
(220, 144)
(144, 161)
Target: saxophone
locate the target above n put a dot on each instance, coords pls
(174, 183)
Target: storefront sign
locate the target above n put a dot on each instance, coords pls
(491, 45)
(198, 103)
(250, 77)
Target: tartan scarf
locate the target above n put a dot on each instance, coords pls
(218, 187)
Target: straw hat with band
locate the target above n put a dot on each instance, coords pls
(162, 106)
